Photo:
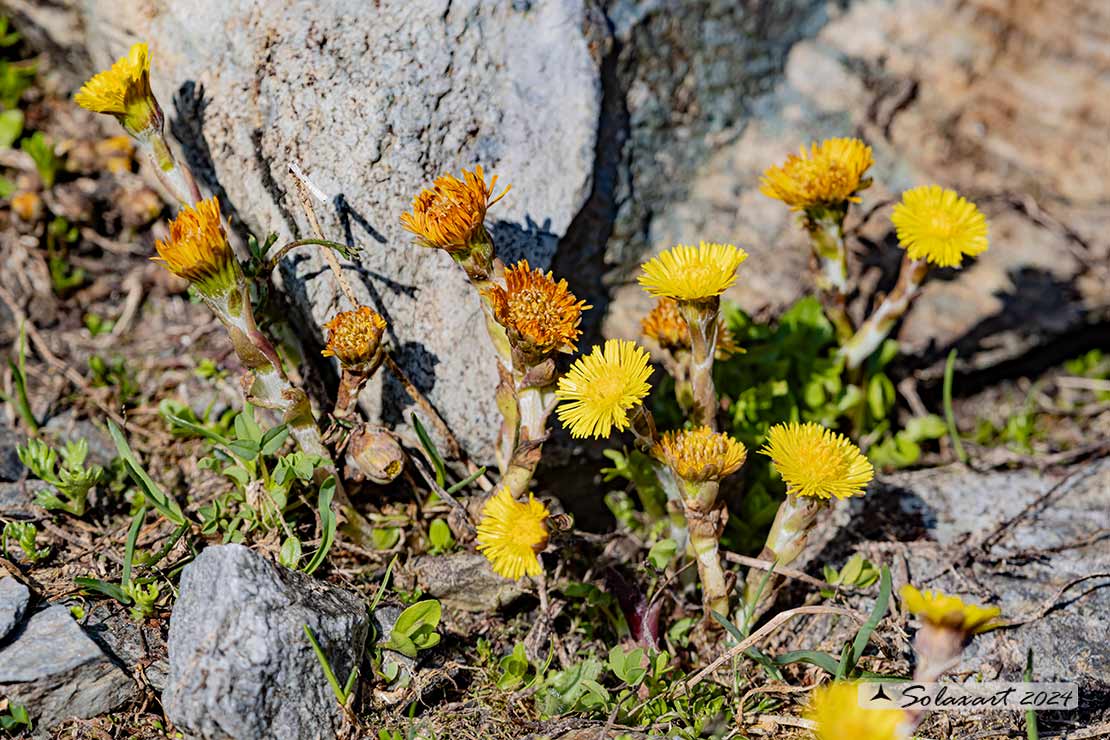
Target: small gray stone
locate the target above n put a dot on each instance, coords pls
(464, 581)
(240, 663)
(50, 665)
(10, 467)
(19, 497)
(13, 602)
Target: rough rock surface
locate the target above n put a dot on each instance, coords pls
(10, 467)
(628, 125)
(1034, 545)
(52, 667)
(13, 602)
(461, 581)
(240, 663)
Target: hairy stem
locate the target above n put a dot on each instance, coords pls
(879, 324)
(175, 177)
(826, 234)
(701, 318)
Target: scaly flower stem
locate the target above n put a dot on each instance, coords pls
(706, 518)
(269, 387)
(642, 424)
(879, 324)
(826, 234)
(784, 543)
(175, 177)
(701, 318)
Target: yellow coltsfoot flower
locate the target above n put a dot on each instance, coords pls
(451, 214)
(540, 316)
(512, 534)
(815, 461)
(602, 387)
(355, 337)
(689, 273)
(830, 174)
(950, 612)
(940, 226)
(699, 455)
(197, 250)
(666, 326)
(124, 91)
(836, 710)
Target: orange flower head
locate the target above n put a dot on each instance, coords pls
(451, 214)
(197, 249)
(354, 337)
(540, 315)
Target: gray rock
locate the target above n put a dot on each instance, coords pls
(240, 663)
(19, 497)
(1032, 545)
(138, 647)
(14, 597)
(10, 467)
(52, 667)
(463, 581)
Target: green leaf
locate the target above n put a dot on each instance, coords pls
(291, 552)
(327, 521)
(41, 151)
(165, 505)
(430, 450)
(103, 587)
(949, 414)
(129, 550)
(882, 602)
(880, 396)
(11, 127)
(921, 428)
(824, 661)
(439, 534)
(661, 553)
(272, 440)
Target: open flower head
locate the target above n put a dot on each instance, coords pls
(701, 454)
(540, 315)
(950, 612)
(830, 174)
(354, 337)
(197, 249)
(815, 461)
(600, 388)
(836, 710)
(667, 328)
(123, 91)
(451, 214)
(689, 273)
(512, 534)
(940, 226)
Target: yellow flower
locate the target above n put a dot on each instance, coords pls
(197, 249)
(512, 534)
(540, 315)
(601, 387)
(950, 612)
(124, 92)
(665, 325)
(836, 710)
(701, 454)
(830, 174)
(451, 214)
(688, 273)
(354, 337)
(815, 461)
(939, 225)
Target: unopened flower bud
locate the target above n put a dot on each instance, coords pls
(374, 454)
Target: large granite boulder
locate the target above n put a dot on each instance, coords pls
(625, 126)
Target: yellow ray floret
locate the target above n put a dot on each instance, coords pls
(512, 534)
(701, 454)
(836, 710)
(354, 337)
(539, 313)
(197, 249)
(124, 92)
(815, 461)
(689, 273)
(452, 212)
(830, 174)
(666, 326)
(950, 612)
(601, 387)
(939, 225)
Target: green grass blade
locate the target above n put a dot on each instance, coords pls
(129, 551)
(1031, 731)
(165, 505)
(430, 450)
(949, 415)
(340, 695)
(327, 522)
(467, 480)
(882, 603)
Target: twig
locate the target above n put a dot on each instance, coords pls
(780, 570)
(1054, 602)
(777, 621)
(307, 190)
(439, 490)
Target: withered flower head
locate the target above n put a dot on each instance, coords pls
(451, 214)
(354, 337)
(540, 315)
(699, 455)
(665, 325)
(124, 91)
(197, 249)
